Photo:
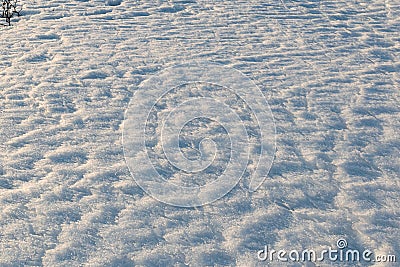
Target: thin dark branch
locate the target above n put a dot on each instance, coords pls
(9, 9)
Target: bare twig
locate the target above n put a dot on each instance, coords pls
(9, 9)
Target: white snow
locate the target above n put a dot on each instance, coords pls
(330, 71)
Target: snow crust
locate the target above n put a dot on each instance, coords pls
(330, 71)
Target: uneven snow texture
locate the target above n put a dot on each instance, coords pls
(329, 69)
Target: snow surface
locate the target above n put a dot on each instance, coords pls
(329, 69)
